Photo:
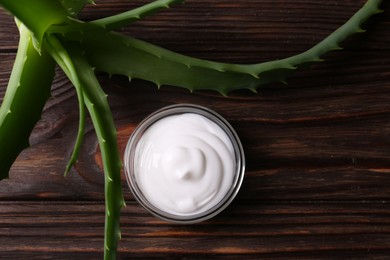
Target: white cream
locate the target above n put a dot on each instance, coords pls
(184, 164)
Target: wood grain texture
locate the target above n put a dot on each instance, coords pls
(318, 150)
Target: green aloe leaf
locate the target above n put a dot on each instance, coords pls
(27, 91)
(120, 20)
(118, 54)
(98, 107)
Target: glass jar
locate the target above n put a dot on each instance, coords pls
(136, 160)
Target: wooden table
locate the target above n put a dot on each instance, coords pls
(317, 183)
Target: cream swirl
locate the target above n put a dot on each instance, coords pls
(184, 164)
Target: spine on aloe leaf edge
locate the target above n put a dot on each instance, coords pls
(27, 92)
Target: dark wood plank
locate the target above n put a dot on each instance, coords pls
(243, 230)
(317, 150)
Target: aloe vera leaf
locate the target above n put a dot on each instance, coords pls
(27, 91)
(120, 20)
(330, 43)
(117, 54)
(98, 107)
(60, 55)
(80, 75)
(37, 15)
(77, 29)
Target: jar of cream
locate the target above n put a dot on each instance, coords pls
(184, 163)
